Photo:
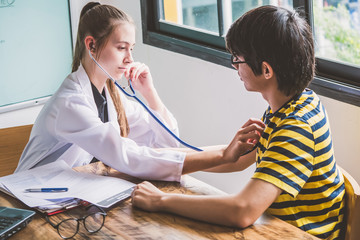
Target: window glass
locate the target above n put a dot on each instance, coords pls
(236, 8)
(239, 7)
(203, 14)
(337, 30)
(200, 14)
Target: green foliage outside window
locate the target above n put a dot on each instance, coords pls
(343, 41)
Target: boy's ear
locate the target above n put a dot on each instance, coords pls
(267, 70)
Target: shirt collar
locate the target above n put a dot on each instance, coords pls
(269, 114)
(101, 104)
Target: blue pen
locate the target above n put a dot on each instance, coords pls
(46, 190)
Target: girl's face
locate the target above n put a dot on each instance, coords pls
(117, 53)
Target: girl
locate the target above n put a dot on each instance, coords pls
(89, 119)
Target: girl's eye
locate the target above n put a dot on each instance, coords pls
(125, 48)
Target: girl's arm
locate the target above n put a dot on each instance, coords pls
(223, 159)
(243, 163)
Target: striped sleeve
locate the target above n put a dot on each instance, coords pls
(288, 161)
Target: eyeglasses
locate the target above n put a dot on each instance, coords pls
(235, 60)
(93, 222)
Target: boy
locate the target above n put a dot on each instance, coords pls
(296, 177)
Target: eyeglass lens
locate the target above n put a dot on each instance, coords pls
(233, 58)
(68, 228)
(93, 223)
(236, 60)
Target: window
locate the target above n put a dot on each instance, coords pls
(336, 27)
(337, 30)
(197, 28)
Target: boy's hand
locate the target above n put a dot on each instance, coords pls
(147, 197)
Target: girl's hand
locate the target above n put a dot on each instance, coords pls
(245, 140)
(147, 197)
(140, 77)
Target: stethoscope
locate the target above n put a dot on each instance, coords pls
(133, 95)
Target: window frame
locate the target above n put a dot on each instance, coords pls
(337, 81)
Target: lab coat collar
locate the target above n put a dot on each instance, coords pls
(85, 84)
(111, 107)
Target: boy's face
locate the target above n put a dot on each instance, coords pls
(251, 81)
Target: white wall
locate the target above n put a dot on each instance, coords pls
(211, 103)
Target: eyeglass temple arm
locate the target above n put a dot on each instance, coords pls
(51, 223)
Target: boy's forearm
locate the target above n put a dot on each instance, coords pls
(240, 210)
(214, 209)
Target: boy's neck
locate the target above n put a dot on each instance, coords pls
(276, 99)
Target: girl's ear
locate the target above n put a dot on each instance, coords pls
(267, 70)
(89, 42)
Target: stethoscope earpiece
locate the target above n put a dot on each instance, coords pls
(91, 46)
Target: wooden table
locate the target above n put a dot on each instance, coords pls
(125, 222)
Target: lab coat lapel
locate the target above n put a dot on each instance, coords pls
(86, 87)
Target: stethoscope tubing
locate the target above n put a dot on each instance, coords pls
(153, 115)
(145, 107)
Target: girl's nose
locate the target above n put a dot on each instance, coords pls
(128, 58)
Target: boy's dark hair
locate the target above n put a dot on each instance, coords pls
(280, 37)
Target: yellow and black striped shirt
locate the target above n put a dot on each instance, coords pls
(295, 153)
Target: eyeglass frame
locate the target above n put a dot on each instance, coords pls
(56, 226)
(235, 62)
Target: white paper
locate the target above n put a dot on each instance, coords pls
(89, 187)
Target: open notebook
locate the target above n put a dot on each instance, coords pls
(12, 220)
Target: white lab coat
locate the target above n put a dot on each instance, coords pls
(68, 128)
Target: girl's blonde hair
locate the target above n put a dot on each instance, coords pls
(99, 21)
